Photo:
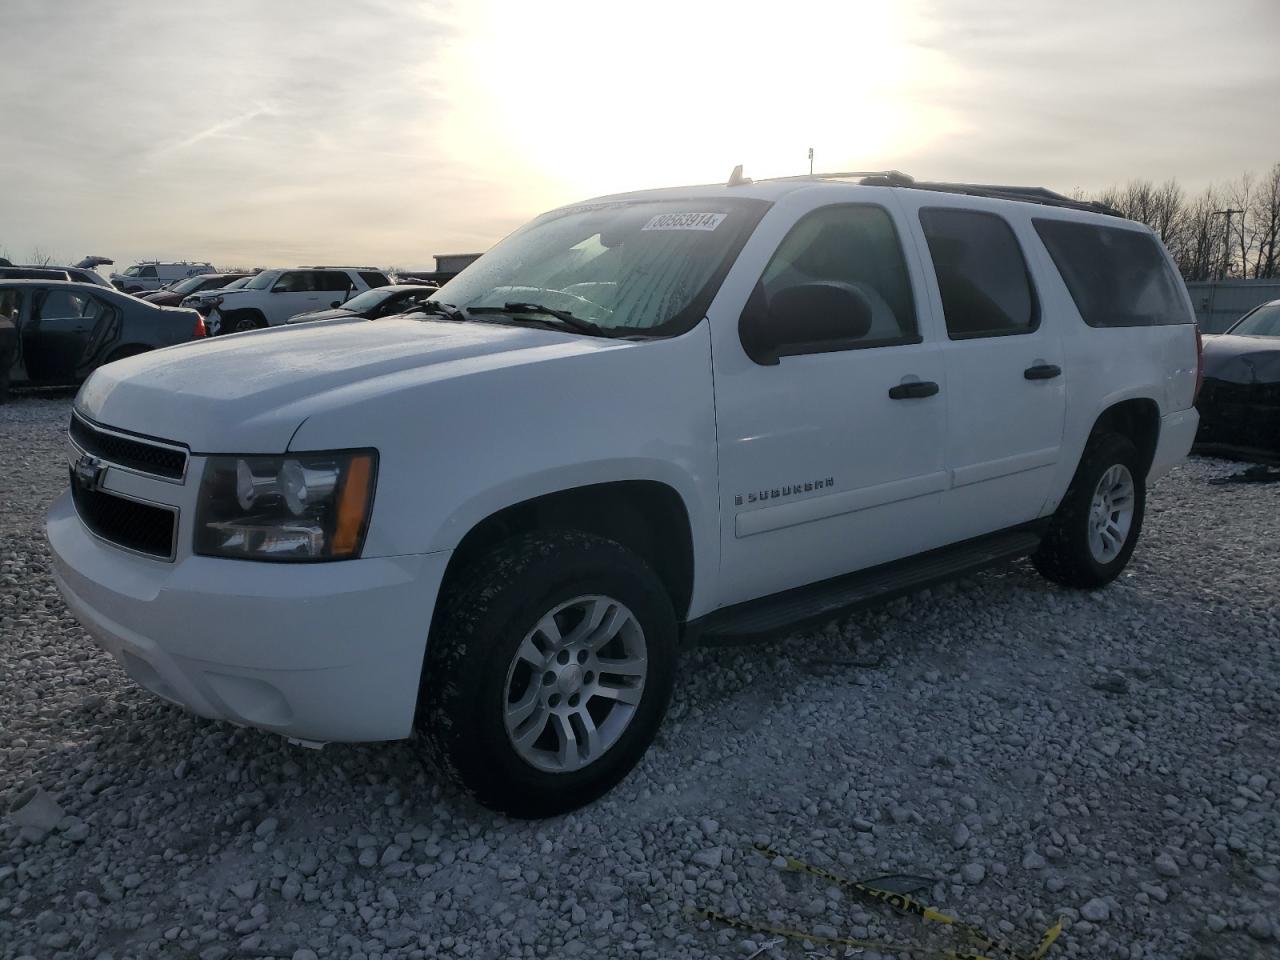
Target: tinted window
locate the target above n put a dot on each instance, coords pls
(1262, 322)
(147, 272)
(9, 300)
(855, 245)
(296, 281)
(332, 280)
(373, 278)
(982, 276)
(60, 303)
(1117, 277)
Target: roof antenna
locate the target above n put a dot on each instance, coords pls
(736, 179)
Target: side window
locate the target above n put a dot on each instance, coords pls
(373, 278)
(332, 280)
(61, 304)
(10, 300)
(852, 248)
(1117, 277)
(982, 275)
(295, 281)
(147, 272)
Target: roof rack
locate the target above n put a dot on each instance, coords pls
(331, 266)
(896, 178)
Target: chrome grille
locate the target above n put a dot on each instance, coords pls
(157, 458)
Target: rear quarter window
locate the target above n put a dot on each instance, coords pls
(374, 279)
(1117, 277)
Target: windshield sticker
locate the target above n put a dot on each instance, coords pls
(685, 221)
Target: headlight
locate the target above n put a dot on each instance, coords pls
(313, 506)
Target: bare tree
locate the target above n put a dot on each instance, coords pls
(1200, 253)
(40, 257)
(1168, 201)
(1239, 197)
(1264, 212)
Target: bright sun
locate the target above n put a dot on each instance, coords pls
(588, 98)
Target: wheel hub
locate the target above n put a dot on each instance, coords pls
(574, 683)
(1111, 513)
(570, 680)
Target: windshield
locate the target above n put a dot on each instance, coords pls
(263, 280)
(132, 271)
(187, 284)
(648, 266)
(1263, 322)
(369, 299)
(237, 284)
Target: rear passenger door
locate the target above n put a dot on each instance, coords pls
(335, 287)
(60, 332)
(1003, 361)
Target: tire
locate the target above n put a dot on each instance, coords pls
(244, 321)
(473, 678)
(130, 351)
(1066, 554)
(6, 367)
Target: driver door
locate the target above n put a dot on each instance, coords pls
(830, 461)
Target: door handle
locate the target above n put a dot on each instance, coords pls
(1042, 371)
(912, 390)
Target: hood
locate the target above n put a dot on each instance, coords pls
(1239, 359)
(331, 314)
(249, 392)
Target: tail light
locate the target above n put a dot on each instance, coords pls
(1199, 365)
(200, 330)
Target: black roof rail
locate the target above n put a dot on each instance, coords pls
(884, 178)
(896, 178)
(1041, 195)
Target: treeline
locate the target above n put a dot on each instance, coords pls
(1206, 242)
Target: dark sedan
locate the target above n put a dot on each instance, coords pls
(372, 304)
(56, 333)
(1239, 403)
(175, 293)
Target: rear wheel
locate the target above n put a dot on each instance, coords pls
(548, 672)
(1096, 527)
(130, 351)
(244, 321)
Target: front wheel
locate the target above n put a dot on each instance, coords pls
(1096, 527)
(548, 672)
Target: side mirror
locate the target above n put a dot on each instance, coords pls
(335, 304)
(804, 318)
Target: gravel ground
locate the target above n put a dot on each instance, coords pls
(1108, 758)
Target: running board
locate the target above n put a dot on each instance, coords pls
(769, 616)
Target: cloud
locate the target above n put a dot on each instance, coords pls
(383, 131)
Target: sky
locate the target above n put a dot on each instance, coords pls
(382, 132)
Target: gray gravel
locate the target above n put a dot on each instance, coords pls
(1110, 758)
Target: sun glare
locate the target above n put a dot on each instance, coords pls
(589, 98)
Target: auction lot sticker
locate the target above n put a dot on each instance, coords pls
(685, 221)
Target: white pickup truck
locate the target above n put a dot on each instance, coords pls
(703, 411)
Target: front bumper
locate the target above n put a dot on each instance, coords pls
(324, 651)
(1177, 433)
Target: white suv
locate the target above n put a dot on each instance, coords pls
(273, 296)
(154, 274)
(705, 411)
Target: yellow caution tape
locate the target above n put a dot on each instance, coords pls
(754, 927)
(900, 903)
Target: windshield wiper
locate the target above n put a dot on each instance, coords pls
(436, 308)
(567, 319)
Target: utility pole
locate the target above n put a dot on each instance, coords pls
(811, 161)
(1226, 239)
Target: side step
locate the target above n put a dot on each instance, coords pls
(768, 616)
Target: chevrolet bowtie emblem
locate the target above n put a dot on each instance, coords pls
(89, 471)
